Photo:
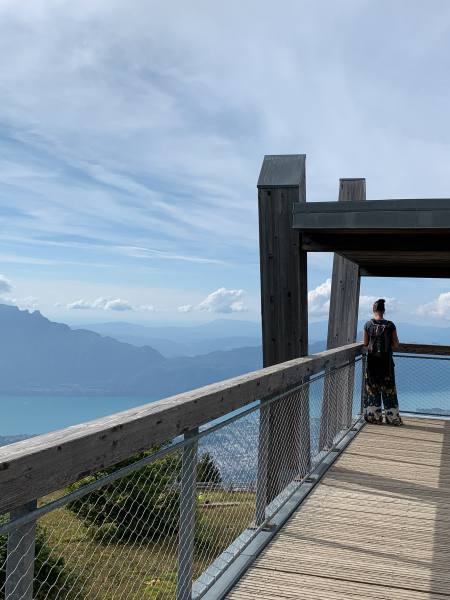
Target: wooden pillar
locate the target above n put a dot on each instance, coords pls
(284, 307)
(342, 325)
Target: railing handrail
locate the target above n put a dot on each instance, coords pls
(40, 465)
(433, 349)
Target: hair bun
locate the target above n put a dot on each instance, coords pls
(378, 305)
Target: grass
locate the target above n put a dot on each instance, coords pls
(144, 570)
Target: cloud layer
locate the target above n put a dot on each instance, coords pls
(132, 133)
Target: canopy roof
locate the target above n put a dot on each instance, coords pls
(386, 238)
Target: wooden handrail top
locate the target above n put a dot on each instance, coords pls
(432, 349)
(40, 465)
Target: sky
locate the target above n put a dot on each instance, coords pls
(132, 135)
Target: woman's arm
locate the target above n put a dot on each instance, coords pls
(366, 338)
(395, 341)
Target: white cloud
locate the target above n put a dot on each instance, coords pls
(440, 307)
(116, 304)
(221, 301)
(319, 299)
(28, 303)
(185, 308)
(5, 285)
(80, 305)
(146, 307)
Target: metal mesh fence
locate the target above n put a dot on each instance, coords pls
(423, 383)
(176, 516)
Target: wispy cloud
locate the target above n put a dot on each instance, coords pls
(145, 146)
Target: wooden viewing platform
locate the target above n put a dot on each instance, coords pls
(376, 527)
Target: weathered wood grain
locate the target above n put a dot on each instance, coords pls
(284, 305)
(38, 466)
(342, 324)
(433, 349)
(374, 528)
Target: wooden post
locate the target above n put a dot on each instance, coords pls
(342, 327)
(284, 306)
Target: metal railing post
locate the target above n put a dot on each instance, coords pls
(363, 381)
(263, 447)
(187, 517)
(20, 556)
(305, 430)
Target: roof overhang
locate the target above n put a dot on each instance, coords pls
(386, 238)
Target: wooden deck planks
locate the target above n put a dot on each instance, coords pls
(377, 526)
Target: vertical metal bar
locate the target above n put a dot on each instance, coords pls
(263, 446)
(187, 517)
(304, 443)
(363, 381)
(20, 557)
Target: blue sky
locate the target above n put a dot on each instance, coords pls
(132, 134)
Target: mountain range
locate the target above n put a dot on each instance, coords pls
(228, 334)
(41, 357)
(221, 334)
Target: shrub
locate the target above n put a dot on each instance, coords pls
(142, 505)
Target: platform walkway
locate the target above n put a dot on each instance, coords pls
(376, 527)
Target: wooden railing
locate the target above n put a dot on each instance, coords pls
(32, 469)
(40, 465)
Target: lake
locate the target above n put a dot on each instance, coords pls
(39, 414)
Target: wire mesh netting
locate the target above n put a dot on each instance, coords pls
(423, 383)
(177, 515)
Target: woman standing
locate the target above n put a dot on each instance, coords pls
(380, 338)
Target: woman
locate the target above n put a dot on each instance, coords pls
(380, 338)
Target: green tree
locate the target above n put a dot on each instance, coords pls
(207, 470)
(142, 505)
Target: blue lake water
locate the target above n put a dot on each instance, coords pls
(39, 414)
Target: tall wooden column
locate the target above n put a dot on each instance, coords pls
(284, 306)
(342, 323)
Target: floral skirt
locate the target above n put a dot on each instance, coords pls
(381, 393)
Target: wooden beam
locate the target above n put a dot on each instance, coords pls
(43, 464)
(284, 308)
(355, 241)
(342, 325)
(375, 214)
(433, 349)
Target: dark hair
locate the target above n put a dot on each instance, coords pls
(378, 306)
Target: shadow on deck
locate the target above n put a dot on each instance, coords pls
(376, 527)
